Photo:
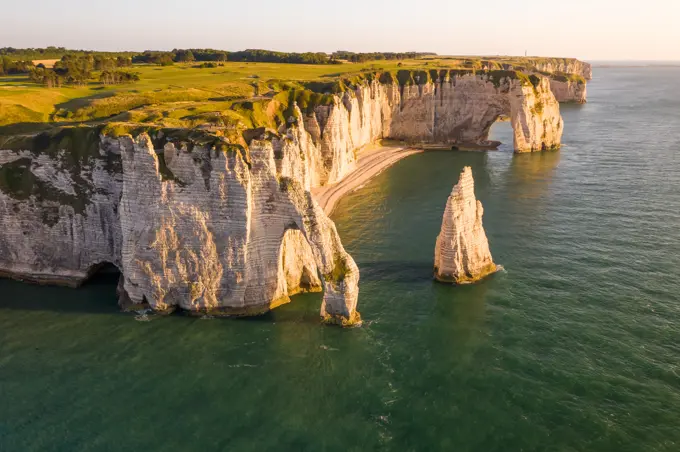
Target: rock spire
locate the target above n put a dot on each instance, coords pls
(462, 254)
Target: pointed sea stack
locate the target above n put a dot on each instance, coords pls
(462, 254)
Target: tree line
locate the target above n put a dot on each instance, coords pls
(210, 55)
(266, 56)
(77, 71)
(11, 67)
(19, 60)
(54, 53)
(269, 56)
(372, 56)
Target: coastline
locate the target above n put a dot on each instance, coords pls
(370, 163)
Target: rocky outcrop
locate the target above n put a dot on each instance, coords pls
(213, 226)
(569, 91)
(461, 254)
(563, 65)
(59, 208)
(568, 75)
(199, 227)
(454, 108)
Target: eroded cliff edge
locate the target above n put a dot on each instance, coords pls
(195, 224)
(223, 221)
(455, 107)
(568, 76)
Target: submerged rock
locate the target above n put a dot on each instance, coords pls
(462, 254)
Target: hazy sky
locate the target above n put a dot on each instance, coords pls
(587, 29)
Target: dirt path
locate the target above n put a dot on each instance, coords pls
(371, 162)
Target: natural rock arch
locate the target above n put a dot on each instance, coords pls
(460, 109)
(298, 272)
(199, 222)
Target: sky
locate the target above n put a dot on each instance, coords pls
(585, 29)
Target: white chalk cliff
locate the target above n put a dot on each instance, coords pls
(461, 254)
(569, 91)
(454, 107)
(202, 229)
(213, 226)
(568, 76)
(563, 65)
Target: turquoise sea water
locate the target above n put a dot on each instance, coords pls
(574, 347)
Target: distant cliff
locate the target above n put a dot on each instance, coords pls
(563, 65)
(569, 90)
(457, 107)
(568, 76)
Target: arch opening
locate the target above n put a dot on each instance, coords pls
(502, 133)
(298, 271)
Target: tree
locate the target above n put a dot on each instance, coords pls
(184, 56)
(118, 77)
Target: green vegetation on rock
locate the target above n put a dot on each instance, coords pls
(339, 271)
(222, 100)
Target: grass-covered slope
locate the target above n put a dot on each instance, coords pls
(232, 95)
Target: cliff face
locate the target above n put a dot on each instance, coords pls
(59, 211)
(569, 91)
(565, 65)
(461, 254)
(210, 226)
(206, 230)
(225, 237)
(456, 110)
(563, 84)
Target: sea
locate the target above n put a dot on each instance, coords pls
(574, 346)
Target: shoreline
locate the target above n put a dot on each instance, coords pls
(370, 163)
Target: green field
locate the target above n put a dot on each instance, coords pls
(22, 101)
(184, 95)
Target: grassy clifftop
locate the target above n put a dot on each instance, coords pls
(231, 95)
(222, 123)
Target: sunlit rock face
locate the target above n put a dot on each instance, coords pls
(202, 229)
(565, 65)
(453, 109)
(226, 235)
(228, 229)
(461, 253)
(569, 91)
